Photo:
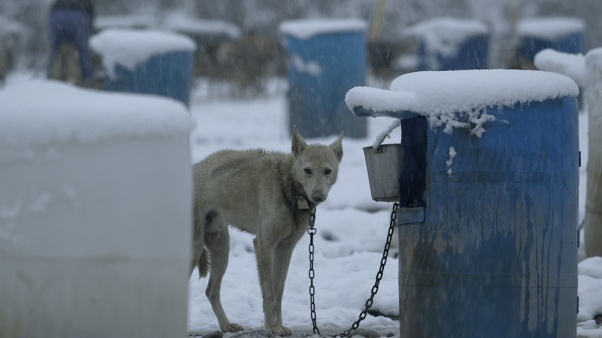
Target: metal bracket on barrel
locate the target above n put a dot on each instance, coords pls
(407, 216)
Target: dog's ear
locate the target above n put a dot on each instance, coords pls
(299, 144)
(337, 147)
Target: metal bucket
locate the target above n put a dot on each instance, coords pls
(384, 168)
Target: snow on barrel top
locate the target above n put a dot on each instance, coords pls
(443, 95)
(38, 113)
(444, 35)
(181, 22)
(434, 93)
(131, 47)
(308, 28)
(571, 65)
(550, 28)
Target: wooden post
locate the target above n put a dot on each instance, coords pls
(593, 206)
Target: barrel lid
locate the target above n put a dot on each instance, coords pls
(38, 113)
(569, 64)
(441, 95)
(550, 28)
(130, 47)
(444, 35)
(308, 28)
(180, 22)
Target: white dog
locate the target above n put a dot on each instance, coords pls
(266, 194)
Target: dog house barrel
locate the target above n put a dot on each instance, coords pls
(488, 201)
(147, 62)
(327, 57)
(565, 35)
(95, 215)
(451, 44)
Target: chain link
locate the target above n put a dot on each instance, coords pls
(312, 231)
(379, 275)
(312, 290)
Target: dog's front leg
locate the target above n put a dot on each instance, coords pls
(264, 252)
(282, 260)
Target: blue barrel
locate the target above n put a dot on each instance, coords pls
(452, 44)
(496, 255)
(168, 74)
(488, 225)
(565, 35)
(146, 62)
(326, 59)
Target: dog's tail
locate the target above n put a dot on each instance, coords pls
(203, 264)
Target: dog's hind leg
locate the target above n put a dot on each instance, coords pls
(218, 244)
(199, 254)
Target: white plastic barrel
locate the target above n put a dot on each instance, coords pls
(95, 220)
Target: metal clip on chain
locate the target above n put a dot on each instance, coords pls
(312, 291)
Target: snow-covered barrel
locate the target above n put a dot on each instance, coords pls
(488, 211)
(451, 44)
(95, 218)
(148, 62)
(565, 35)
(326, 59)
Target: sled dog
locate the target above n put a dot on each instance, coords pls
(268, 195)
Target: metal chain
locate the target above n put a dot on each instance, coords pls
(312, 231)
(379, 275)
(312, 291)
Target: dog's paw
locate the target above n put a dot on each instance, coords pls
(231, 327)
(280, 330)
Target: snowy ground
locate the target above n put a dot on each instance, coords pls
(351, 230)
(350, 238)
(348, 246)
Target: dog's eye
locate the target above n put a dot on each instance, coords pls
(327, 171)
(307, 171)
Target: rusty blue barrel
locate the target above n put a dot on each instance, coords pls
(327, 57)
(565, 35)
(147, 62)
(451, 44)
(488, 204)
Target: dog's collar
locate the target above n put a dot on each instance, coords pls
(302, 203)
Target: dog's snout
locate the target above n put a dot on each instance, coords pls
(318, 197)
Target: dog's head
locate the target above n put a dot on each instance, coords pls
(316, 166)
